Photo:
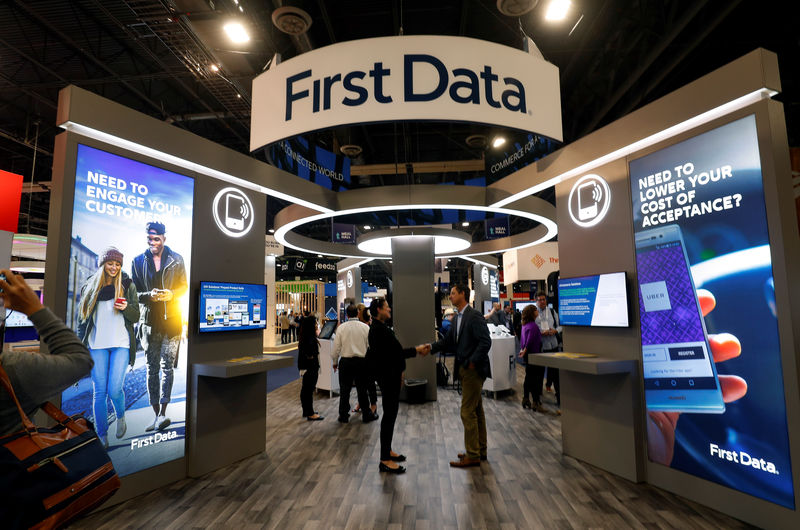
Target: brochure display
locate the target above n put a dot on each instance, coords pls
(502, 363)
(710, 347)
(129, 311)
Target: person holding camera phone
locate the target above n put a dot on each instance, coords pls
(160, 277)
(37, 377)
(108, 309)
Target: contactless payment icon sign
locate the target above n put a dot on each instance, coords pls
(233, 212)
(589, 200)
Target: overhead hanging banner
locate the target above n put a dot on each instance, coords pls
(406, 78)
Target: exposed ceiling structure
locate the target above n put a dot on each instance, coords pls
(173, 60)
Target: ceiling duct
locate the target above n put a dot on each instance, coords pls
(291, 20)
(477, 141)
(351, 150)
(516, 8)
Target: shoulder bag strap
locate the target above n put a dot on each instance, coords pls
(6, 383)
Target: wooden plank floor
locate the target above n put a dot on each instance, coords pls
(321, 475)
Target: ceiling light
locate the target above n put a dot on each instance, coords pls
(236, 32)
(444, 240)
(557, 10)
(214, 68)
(367, 227)
(271, 230)
(241, 9)
(498, 141)
(465, 223)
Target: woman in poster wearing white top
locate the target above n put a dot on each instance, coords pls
(108, 309)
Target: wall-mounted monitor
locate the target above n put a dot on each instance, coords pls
(231, 306)
(519, 306)
(599, 300)
(327, 329)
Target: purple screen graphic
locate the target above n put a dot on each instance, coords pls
(681, 323)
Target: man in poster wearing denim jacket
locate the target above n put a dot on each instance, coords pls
(160, 277)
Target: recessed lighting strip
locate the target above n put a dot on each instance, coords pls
(691, 123)
(187, 164)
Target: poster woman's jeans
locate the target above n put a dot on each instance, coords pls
(108, 376)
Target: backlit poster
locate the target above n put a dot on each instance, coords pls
(710, 348)
(128, 301)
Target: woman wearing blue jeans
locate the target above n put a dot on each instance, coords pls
(108, 309)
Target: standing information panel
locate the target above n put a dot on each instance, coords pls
(115, 312)
(709, 326)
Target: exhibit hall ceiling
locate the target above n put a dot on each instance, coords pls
(176, 61)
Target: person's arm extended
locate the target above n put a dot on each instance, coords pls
(38, 377)
(337, 347)
(448, 342)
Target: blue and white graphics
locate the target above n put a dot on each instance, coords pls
(231, 306)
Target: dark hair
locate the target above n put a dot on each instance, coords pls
(352, 311)
(376, 304)
(307, 333)
(156, 227)
(463, 289)
(541, 293)
(529, 313)
(363, 313)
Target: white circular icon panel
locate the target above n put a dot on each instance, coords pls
(233, 212)
(589, 200)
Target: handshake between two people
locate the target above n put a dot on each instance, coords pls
(423, 349)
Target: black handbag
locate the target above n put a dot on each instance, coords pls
(48, 477)
(442, 373)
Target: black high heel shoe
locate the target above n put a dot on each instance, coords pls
(398, 458)
(386, 469)
(318, 418)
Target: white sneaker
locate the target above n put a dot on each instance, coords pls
(152, 426)
(122, 427)
(163, 422)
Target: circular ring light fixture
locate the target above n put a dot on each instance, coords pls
(445, 241)
(417, 197)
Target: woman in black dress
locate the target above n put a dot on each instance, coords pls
(308, 360)
(388, 362)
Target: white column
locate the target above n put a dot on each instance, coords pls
(269, 313)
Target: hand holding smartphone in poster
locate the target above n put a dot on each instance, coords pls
(661, 424)
(120, 304)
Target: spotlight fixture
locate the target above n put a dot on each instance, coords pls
(498, 141)
(465, 223)
(214, 68)
(557, 10)
(271, 230)
(236, 33)
(367, 227)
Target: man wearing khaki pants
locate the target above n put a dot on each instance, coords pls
(469, 338)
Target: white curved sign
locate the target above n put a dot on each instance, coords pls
(406, 78)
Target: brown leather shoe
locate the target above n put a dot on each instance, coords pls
(462, 456)
(466, 462)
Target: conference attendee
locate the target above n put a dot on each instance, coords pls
(509, 316)
(372, 390)
(37, 377)
(549, 325)
(308, 364)
(497, 316)
(469, 339)
(349, 358)
(284, 323)
(388, 362)
(108, 309)
(447, 320)
(160, 277)
(530, 343)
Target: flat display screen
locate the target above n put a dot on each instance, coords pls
(519, 306)
(599, 300)
(327, 329)
(127, 299)
(711, 351)
(231, 306)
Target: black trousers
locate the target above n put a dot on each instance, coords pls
(372, 390)
(284, 336)
(552, 378)
(307, 391)
(534, 375)
(390, 396)
(353, 372)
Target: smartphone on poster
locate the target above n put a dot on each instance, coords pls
(678, 368)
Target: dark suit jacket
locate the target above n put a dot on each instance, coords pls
(473, 342)
(386, 357)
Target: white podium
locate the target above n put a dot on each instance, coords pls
(328, 379)
(502, 359)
